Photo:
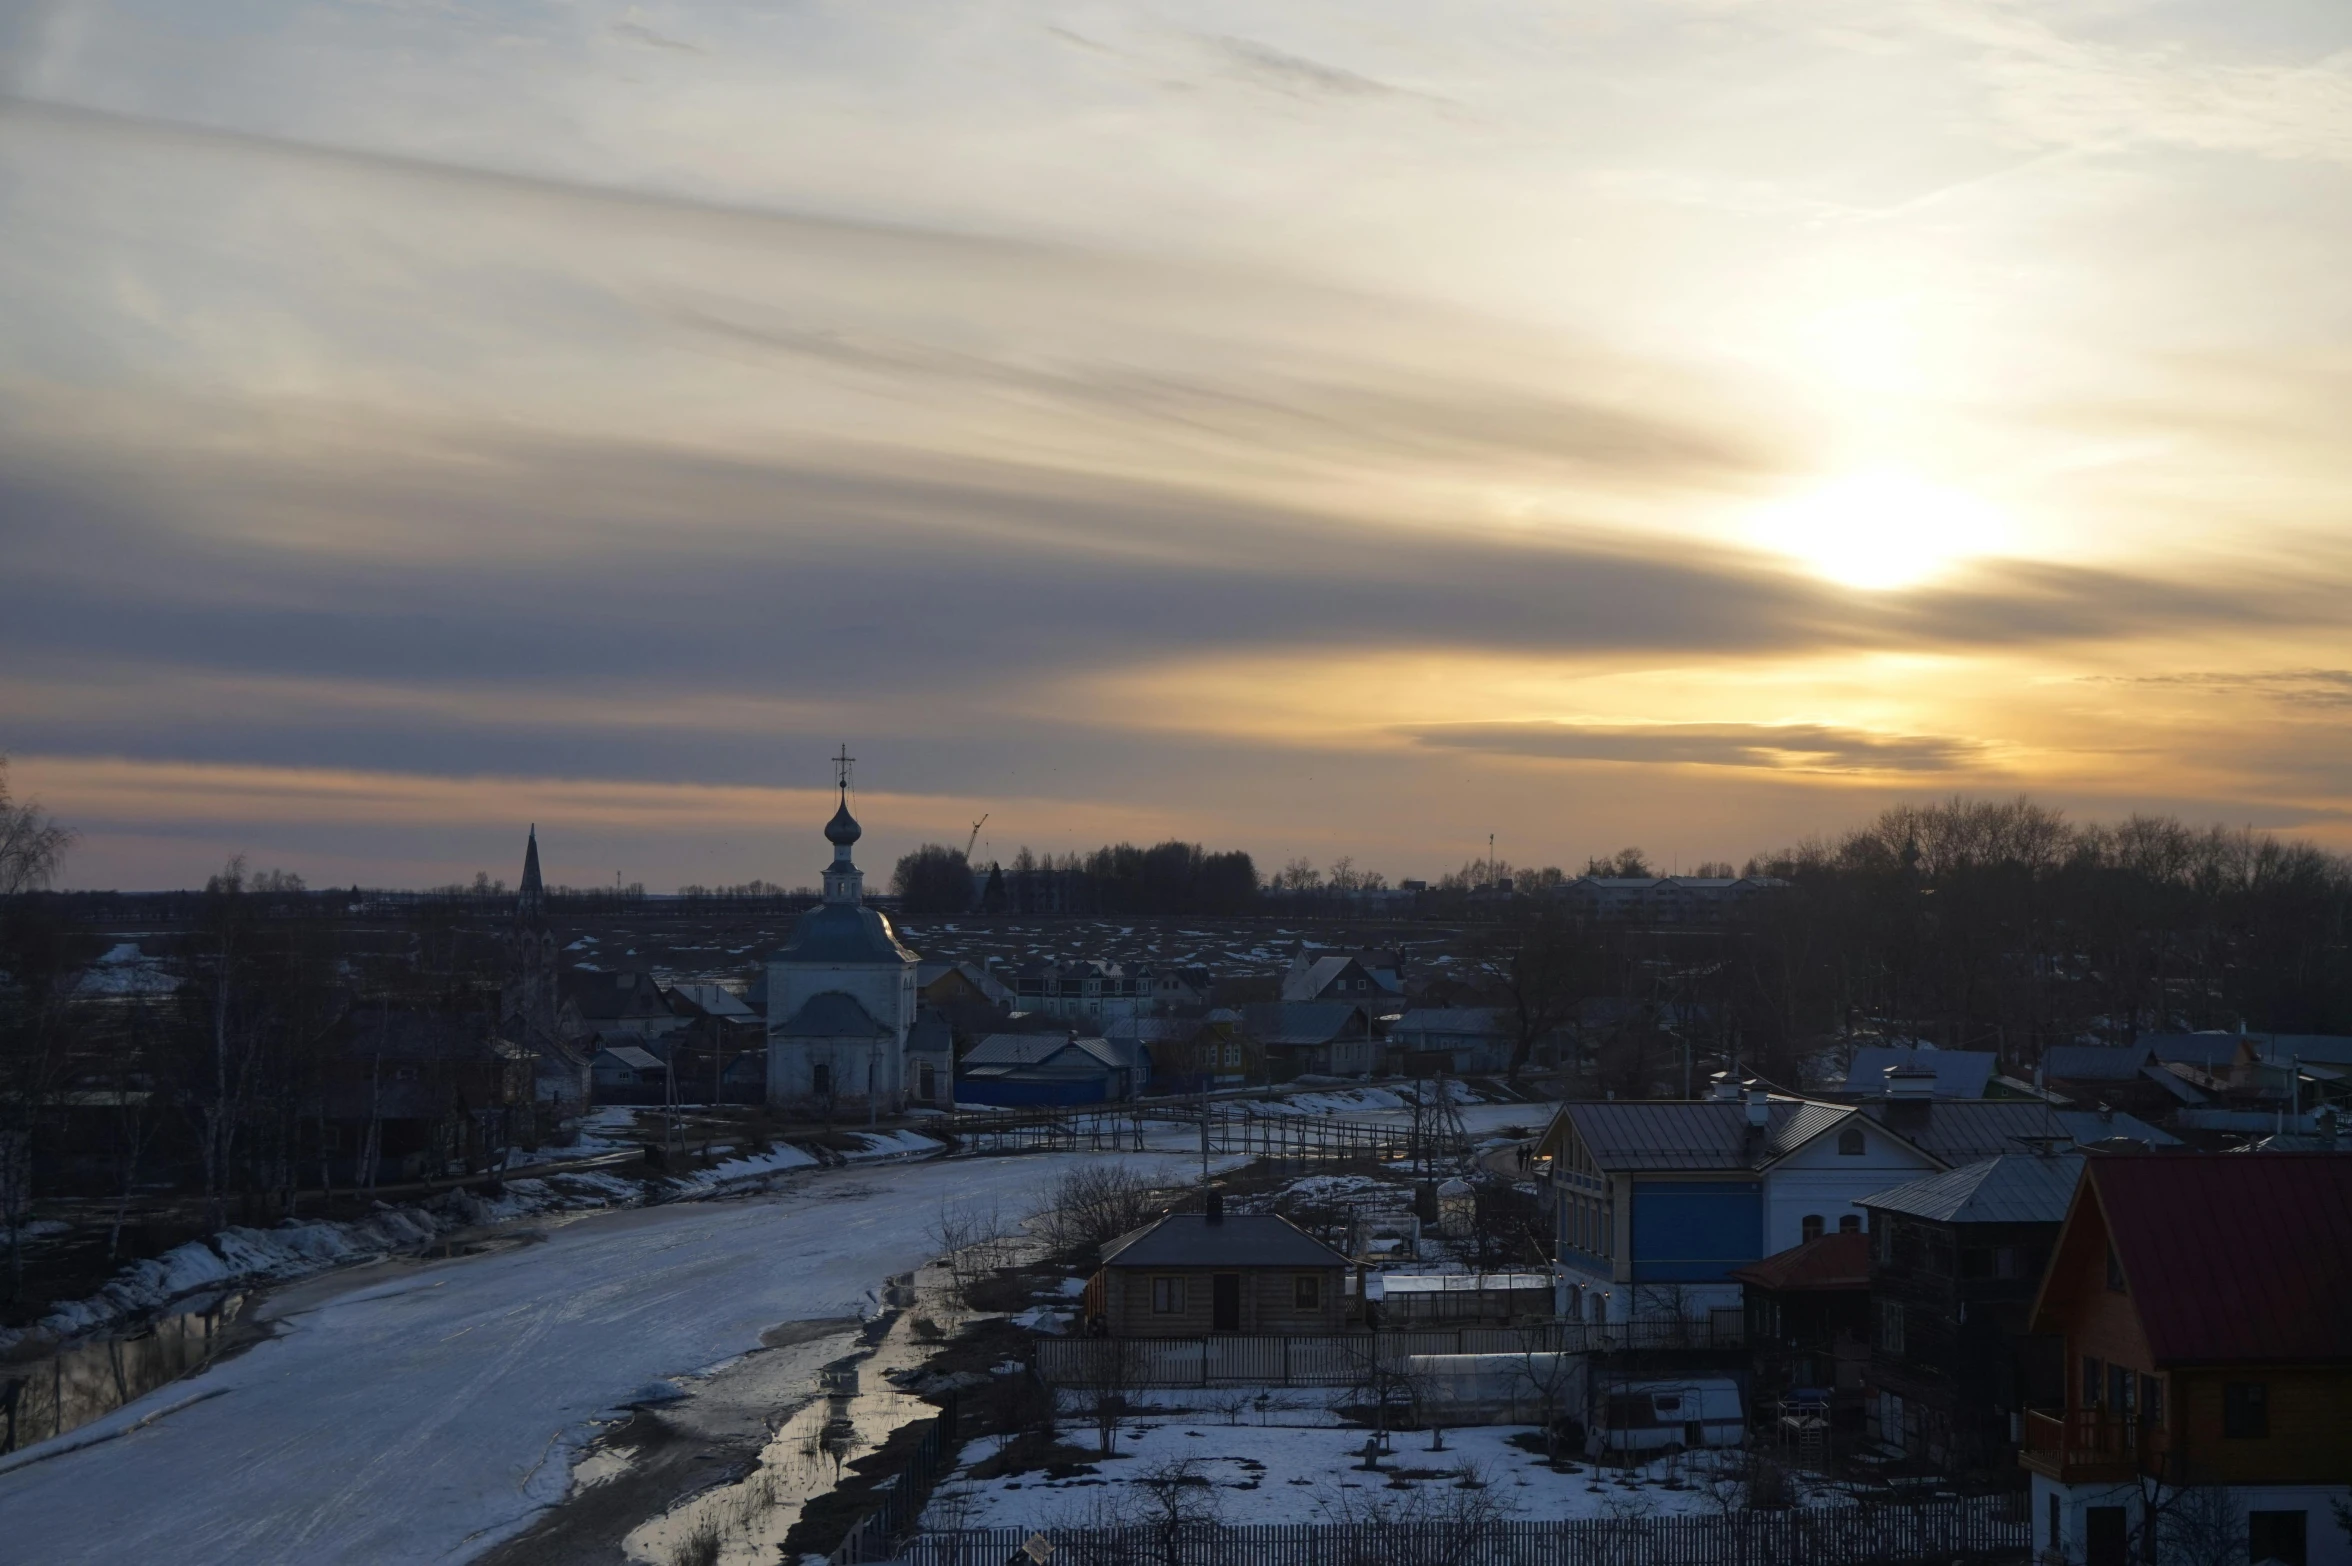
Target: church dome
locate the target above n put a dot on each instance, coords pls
(843, 828)
(833, 933)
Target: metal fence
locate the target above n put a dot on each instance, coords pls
(1345, 1359)
(1981, 1532)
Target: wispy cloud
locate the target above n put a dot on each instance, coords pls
(1779, 747)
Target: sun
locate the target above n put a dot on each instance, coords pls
(1880, 530)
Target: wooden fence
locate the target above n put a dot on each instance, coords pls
(875, 1536)
(1980, 1532)
(1345, 1359)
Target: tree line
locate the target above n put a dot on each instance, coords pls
(1118, 879)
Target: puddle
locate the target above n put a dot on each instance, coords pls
(855, 1412)
(91, 1379)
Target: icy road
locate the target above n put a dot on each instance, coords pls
(425, 1412)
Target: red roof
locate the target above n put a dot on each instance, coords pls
(1835, 1261)
(2236, 1256)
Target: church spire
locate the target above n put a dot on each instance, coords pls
(843, 882)
(533, 893)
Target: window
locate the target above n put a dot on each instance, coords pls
(2122, 1392)
(1890, 1326)
(1850, 1144)
(2115, 1272)
(2245, 1410)
(930, 1082)
(821, 1079)
(1307, 1294)
(1810, 1226)
(2151, 1400)
(2094, 1372)
(1850, 1223)
(2275, 1536)
(1167, 1296)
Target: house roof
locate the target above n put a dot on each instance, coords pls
(1306, 981)
(2196, 1049)
(2095, 1062)
(1702, 1134)
(2233, 1259)
(614, 997)
(630, 1055)
(832, 1014)
(711, 1000)
(1484, 1020)
(1962, 1130)
(1035, 1049)
(1833, 1261)
(1959, 1073)
(2086, 1126)
(844, 933)
(1299, 1022)
(2013, 1188)
(1241, 1240)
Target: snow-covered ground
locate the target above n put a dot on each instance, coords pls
(1300, 1470)
(420, 1411)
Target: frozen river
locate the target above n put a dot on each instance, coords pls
(425, 1411)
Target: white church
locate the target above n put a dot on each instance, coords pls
(841, 1002)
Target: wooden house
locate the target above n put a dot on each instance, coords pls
(1955, 1259)
(2204, 1305)
(1191, 1274)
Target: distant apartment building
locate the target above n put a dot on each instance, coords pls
(1665, 899)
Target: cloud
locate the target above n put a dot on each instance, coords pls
(1295, 73)
(2316, 689)
(638, 33)
(1778, 747)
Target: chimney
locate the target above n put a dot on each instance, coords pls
(1723, 1085)
(1759, 1106)
(1910, 1082)
(1214, 1212)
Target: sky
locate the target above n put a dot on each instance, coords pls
(1319, 429)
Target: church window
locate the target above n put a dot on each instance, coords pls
(1811, 1225)
(821, 1079)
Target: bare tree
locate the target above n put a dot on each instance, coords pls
(31, 842)
(1093, 1204)
(1536, 969)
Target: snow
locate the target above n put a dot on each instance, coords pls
(125, 970)
(1296, 1470)
(417, 1411)
(894, 1144)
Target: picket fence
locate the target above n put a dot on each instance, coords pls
(1965, 1533)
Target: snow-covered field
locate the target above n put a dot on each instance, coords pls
(423, 1411)
(1299, 1472)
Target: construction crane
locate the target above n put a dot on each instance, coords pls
(973, 841)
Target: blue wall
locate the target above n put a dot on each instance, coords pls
(1001, 1090)
(1695, 1231)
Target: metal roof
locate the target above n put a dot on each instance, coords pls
(1299, 1022)
(2094, 1062)
(833, 933)
(1240, 1240)
(1957, 1131)
(2013, 1188)
(2239, 1259)
(1702, 1134)
(2086, 1126)
(631, 1056)
(1829, 1261)
(1959, 1073)
(833, 1014)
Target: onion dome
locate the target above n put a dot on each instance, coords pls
(843, 829)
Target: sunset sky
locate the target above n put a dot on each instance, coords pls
(1320, 429)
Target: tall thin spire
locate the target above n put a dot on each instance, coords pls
(533, 891)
